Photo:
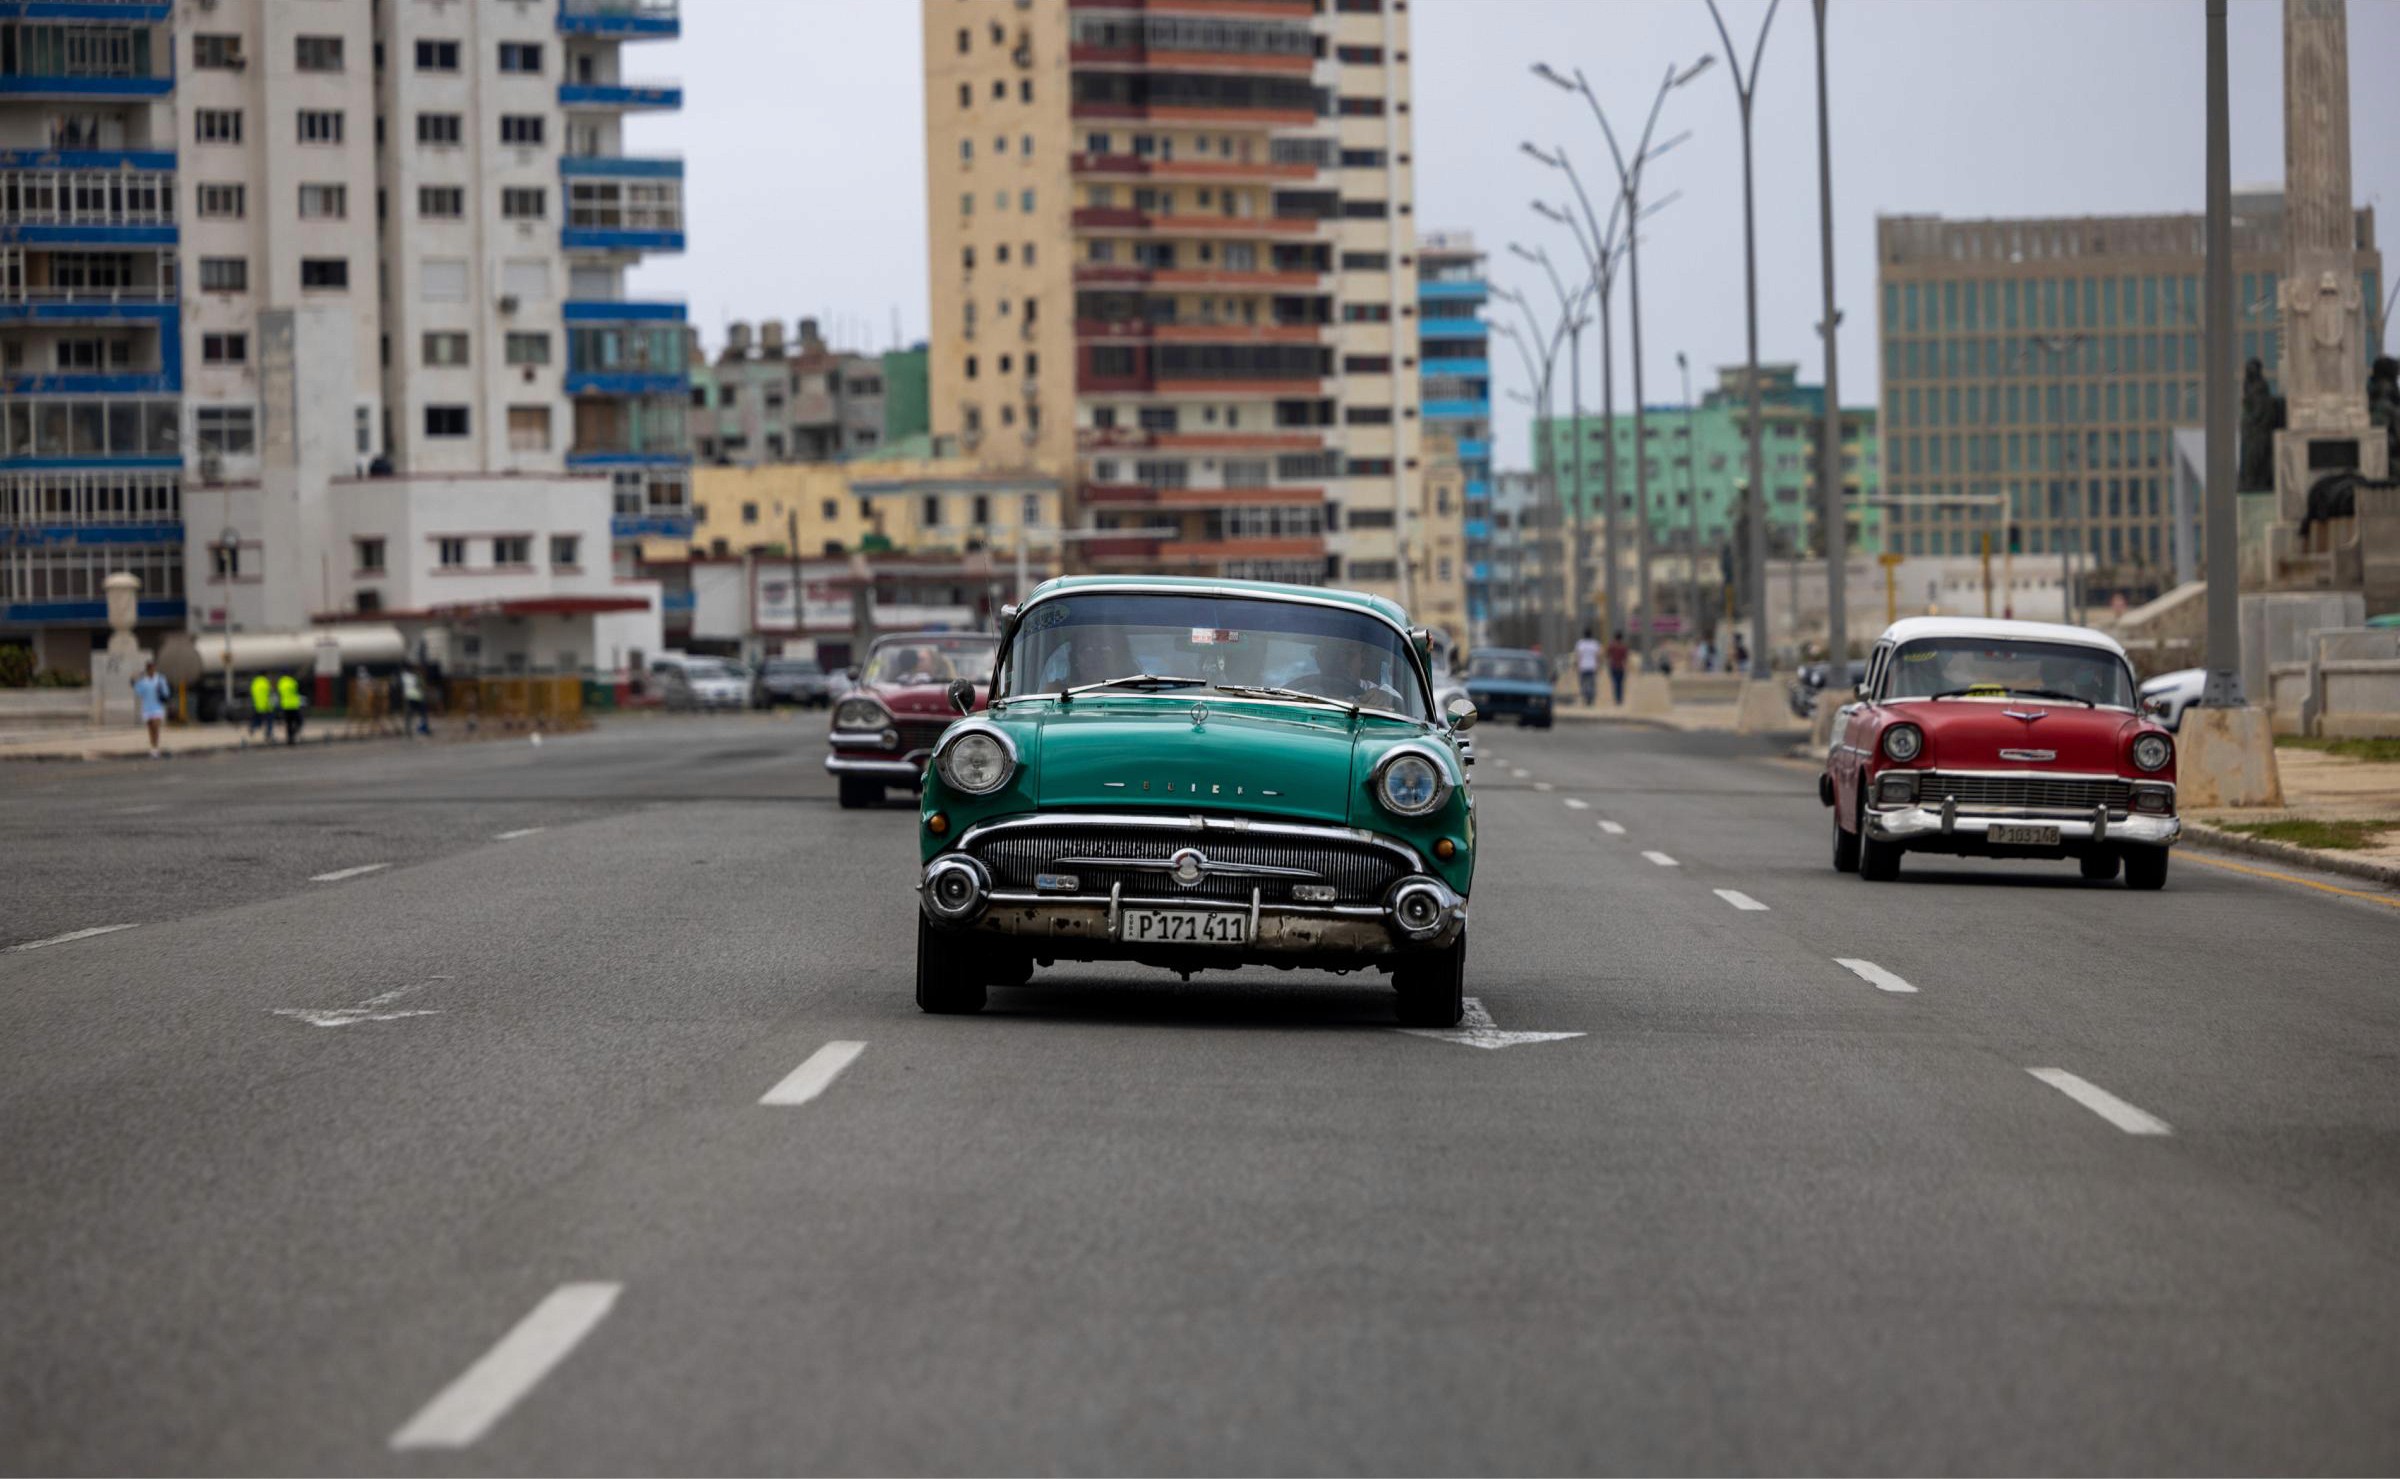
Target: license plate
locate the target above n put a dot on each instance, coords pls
(1182, 927)
(2023, 836)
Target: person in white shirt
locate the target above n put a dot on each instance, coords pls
(1587, 666)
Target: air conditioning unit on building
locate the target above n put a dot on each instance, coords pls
(1033, 389)
(508, 302)
(212, 468)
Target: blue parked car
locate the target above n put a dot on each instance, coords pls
(1510, 683)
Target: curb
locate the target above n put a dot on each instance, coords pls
(2321, 859)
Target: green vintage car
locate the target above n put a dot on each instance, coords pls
(1200, 774)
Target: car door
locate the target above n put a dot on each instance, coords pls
(1852, 725)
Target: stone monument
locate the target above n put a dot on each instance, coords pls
(113, 671)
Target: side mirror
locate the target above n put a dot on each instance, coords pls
(850, 674)
(962, 695)
(2155, 706)
(1460, 713)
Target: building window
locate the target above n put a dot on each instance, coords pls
(749, 513)
(217, 53)
(512, 549)
(1361, 107)
(320, 126)
(369, 602)
(317, 53)
(524, 203)
(230, 431)
(324, 202)
(445, 421)
(367, 556)
(528, 349)
(445, 349)
(221, 202)
(1366, 313)
(452, 553)
(522, 129)
(224, 349)
(521, 56)
(441, 202)
(217, 126)
(932, 511)
(1366, 210)
(1366, 364)
(529, 428)
(439, 128)
(329, 274)
(564, 552)
(437, 56)
(224, 274)
(829, 510)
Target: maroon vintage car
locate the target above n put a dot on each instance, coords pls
(884, 727)
(2005, 739)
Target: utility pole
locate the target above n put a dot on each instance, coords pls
(1745, 89)
(1691, 507)
(2223, 686)
(1836, 515)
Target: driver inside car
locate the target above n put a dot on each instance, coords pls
(1346, 672)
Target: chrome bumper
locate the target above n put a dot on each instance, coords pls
(1088, 928)
(1936, 825)
(882, 766)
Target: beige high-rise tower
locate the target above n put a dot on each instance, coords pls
(1174, 259)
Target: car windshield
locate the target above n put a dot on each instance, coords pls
(913, 660)
(1330, 651)
(1949, 665)
(1513, 666)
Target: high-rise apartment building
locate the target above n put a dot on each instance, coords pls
(91, 354)
(1455, 389)
(1173, 257)
(764, 400)
(2034, 372)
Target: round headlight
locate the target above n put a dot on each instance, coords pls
(976, 763)
(2152, 752)
(858, 713)
(1903, 742)
(1411, 786)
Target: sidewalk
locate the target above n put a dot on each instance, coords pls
(1686, 717)
(131, 742)
(2341, 813)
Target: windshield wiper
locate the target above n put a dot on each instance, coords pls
(1152, 681)
(2072, 698)
(1249, 690)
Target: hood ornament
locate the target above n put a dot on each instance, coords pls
(1199, 715)
(2028, 715)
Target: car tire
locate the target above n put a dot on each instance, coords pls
(2099, 867)
(1845, 845)
(2146, 867)
(858, 794)
(1433, 987)
(1878, 862)
(949, 978)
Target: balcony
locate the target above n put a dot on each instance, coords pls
(118, 12)
(620, 97)
(1119, 329)
(1452, 328)
(637, 359)
(1131, 166)
(619, 204)
(1125, 218)
(1109, 274)
(1115, 438)
(620, 311)
(87, 197)
(619, 167)
(630, 20)
(99, 49)
(1084, 54)
(1452, 292)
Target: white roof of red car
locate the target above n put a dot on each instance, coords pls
(1915, 628)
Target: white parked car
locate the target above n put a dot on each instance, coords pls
(2169, 694)
(687, 682)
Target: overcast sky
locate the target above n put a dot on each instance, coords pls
(803, 130)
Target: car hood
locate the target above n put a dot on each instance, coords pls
(2014, 734)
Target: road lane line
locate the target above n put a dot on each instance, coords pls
(2389, 901)
(467, 1409)
(815, 1075)
(1738, 899)
(69, 937)
(1518, 772)
(513, 836)
(1875, 976)
(1544, 786)
(1577, 803)
(341, 873)
(1613, 829)
(2102, 1103)
(1662, 860)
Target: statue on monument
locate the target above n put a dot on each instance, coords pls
(2262, 417)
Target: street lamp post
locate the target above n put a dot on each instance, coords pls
(1691, 499)
(1539, 373)
(1577, 594)
(1745, 88)
(1629, 187)
(1835, 516)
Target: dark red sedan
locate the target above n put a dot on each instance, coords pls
(885, 726)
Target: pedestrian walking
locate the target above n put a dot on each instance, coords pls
(1741, 655)
(1587, 666)
(1617, 655)
(262, 706)
(412, 694)
(150, 695)
(287, 696)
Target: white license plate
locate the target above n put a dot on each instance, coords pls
(1182, 927)
(2024, 836)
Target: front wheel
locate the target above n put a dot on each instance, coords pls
(1433, 986)
(1845, 845)
(2146, 868)
(949, 978)
(1878, 862)
(2099, 867)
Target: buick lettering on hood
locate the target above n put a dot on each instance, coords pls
(1199, 774)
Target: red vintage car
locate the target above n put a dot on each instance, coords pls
(885, 726)
(2003, 739)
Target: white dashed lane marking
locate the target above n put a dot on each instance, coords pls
(513, 836)
(1738, 899)
(1613, 829)
(339, 874)
(69, 937)
(1576, 803)
(1875, 976)
(815, 1074)
(1543, 786)
(1662, 860)
(468, 1408)
(2102, 1103)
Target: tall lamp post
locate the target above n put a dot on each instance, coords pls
(1578, 596)
(1835, 517)
(1629, 188)
(1745, 88)
(1540, 373)
(1691, 499)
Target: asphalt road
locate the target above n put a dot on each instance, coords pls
(460, 1165)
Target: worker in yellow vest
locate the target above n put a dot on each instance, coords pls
(287, 693)
(262, 706)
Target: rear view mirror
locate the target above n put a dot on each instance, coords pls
(962, 695)
(2156, 706)
(1460, 713)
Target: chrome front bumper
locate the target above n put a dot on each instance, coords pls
(1088, 928)
(1935, 826)
(882, 767)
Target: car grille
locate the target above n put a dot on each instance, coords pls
(2030, 792)
(1360, 871)
(919, 734)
